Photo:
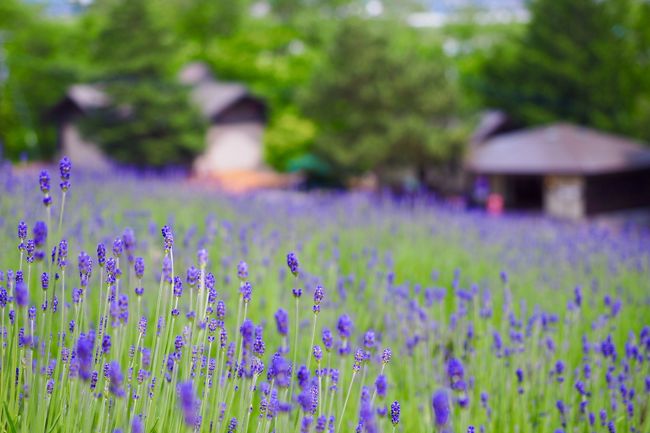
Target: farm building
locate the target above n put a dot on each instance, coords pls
(233, 140)
(565, 170)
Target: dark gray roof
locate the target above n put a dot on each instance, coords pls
(87, 96)
(559, 148)
(212, 97)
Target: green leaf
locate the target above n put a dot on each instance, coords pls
(56, 420)
(12, 426)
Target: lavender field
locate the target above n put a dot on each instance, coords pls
(142, 304)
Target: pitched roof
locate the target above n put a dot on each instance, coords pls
(87, 96)
(212, 97)
(560, 149)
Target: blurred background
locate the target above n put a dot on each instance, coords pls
(539, 105)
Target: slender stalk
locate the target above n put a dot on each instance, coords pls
(347, 397)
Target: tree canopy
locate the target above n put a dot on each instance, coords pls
(381, 102)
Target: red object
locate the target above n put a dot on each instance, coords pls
(494, 204)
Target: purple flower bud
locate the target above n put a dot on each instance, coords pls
(386, 356)
(440, 402)
(369, 339)
(282, 321)
(168, 238)
(246, 292)
(242, 270)
(202, 257)
(101, 254)
(136, 425)
(138, 267)
(359, 357)
(118, 247)
(381, 385)
(65, 166)
(328, 340)
(39, 232)
(292, 262)
(188, 402)
(297, 293)
(21, 294)
(116, 378)
(344, 326)
(44, 181)
(318, 295)
(62, 254)
(178, 286)
(394, 413)
(318, 353)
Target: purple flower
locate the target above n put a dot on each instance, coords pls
(440, 402)
(115, 377)
(101, 254)
(381, 385)
(359, 357)
(22, 233)
(168, 238)
(192, 276)
(328, 340)
(297, 293)
(39, 233)
(246, 292)
(138, 267)
(106, 343)
(118, 247)
(188, 402)
(136, 425)
(242, 270)
(202, 257)
(62, 254)
(50, 386)
(65, 166)
(282, 321)
(22, 295)
(318, 353)
(178, 286)
(292, 262)
(386, 356)
(318, 295)
(369, 339)
(44, 181)
(394, 412)
(30, 249)
(85, 356)
(520, 375)
(232, 425)
(344, 326)
(128, 240)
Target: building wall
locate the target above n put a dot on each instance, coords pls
(564, 196)
(232, 147)
(82, 153)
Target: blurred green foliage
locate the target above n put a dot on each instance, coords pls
(382, 101)
(345, 90)
(579, 60)
(150, 120)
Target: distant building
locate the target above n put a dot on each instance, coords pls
(236, 121)
(565, 170)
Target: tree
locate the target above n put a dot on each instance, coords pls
(575, 62)
(381, 101)
(37, 62)
(150, 120)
